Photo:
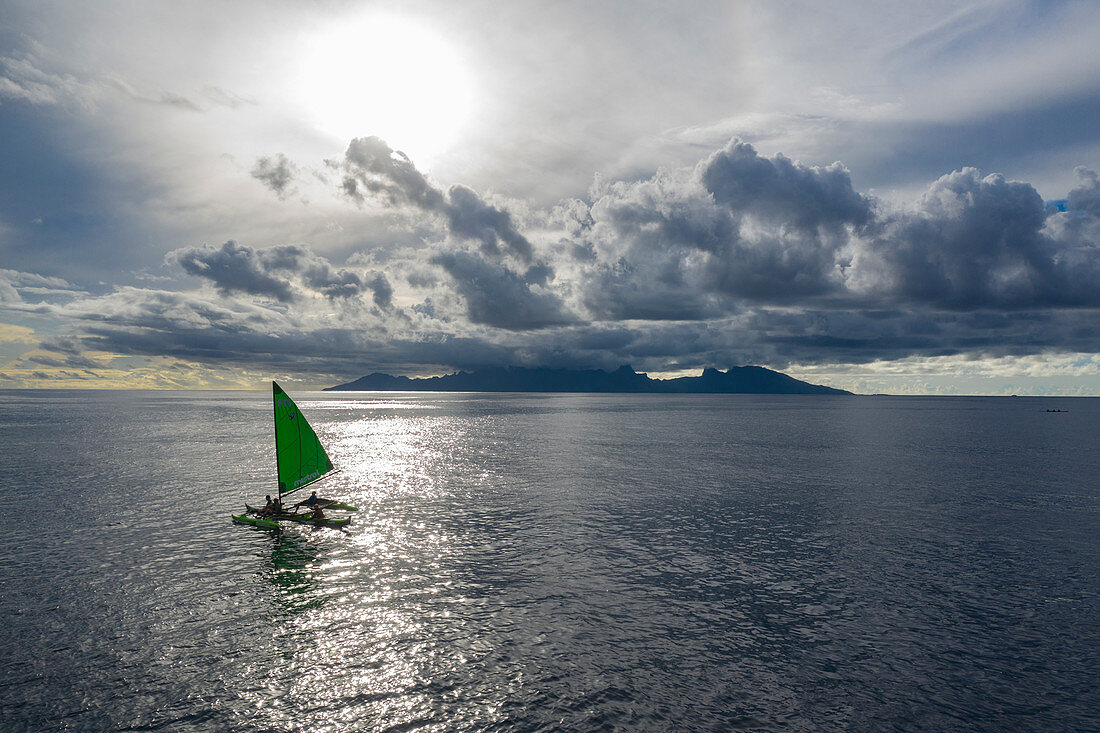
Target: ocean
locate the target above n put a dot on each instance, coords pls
(553, 563)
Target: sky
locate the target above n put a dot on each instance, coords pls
(887, 197)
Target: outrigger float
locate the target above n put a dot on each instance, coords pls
(301, 461)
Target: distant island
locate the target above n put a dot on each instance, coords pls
(736, 380)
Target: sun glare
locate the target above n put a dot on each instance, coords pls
(386, 76)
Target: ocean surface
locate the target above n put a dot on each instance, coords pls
(553, 563)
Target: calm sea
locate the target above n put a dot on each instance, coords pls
(553, 563)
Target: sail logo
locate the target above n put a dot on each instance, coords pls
(285, 402)
(306, 479)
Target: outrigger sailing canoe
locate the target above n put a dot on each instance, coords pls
(301, 461)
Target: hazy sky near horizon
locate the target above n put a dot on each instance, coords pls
(879, 196)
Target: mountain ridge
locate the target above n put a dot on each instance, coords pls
(735, 380)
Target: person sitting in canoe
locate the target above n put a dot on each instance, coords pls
(310, 501)
(318, 515)
(271, 507)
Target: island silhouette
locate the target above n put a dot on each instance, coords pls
(735, 380)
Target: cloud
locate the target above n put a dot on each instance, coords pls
(472, 218)
(370, 164)
(234, 268)
(380, 287)
(641, 249)
(1076, 230)
(276, 173)
(320, 275)
(76, 361)
(63, 375)
(742, 231)
(783, 192)
(372, 168)
(1085, 198)
(699, 243)
(162, 98)
(21, 79)
(13, 334)
(230, 332)
(497, 296)
(157, 322)
(218, 96)
(789, 225)
(977, 242)
(16, 286)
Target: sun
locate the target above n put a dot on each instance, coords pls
(387, 76)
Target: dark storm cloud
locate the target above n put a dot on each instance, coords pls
(371, 167)
(626, 291)
(234, 268)
(1085, 198)
(776, 267)
(742, 228)
(1077, 228)
(979, 242)
(647, 244)
(318, 274)
(497, 296)
(750, 231)
(472, 218)
(276, 173)
(781, 191)
(135, 321)
(381, 288)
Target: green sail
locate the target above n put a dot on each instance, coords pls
(299, 454)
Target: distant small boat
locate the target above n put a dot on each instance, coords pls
(300, 461)
(1057, 410)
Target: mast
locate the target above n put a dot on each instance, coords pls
(275, 390)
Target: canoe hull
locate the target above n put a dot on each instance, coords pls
(255, 521)
(304, 518)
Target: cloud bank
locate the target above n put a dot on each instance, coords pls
(741, 258)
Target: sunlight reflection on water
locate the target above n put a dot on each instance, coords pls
(364, 637)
